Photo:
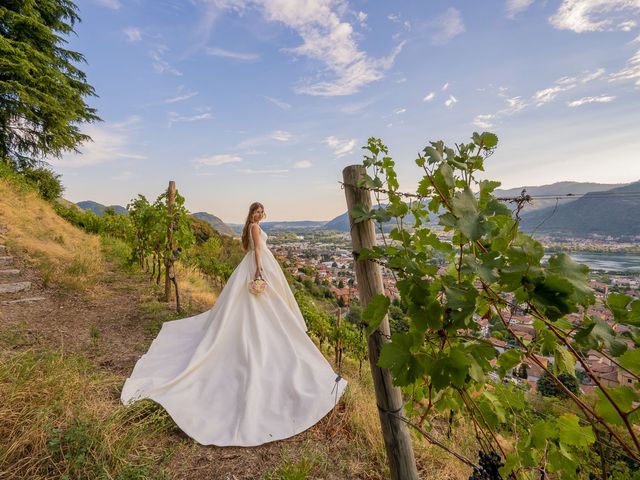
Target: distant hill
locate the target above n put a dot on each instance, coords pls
(602, 213)
(286, 226)
(559, 188)
(216, 223)
(99, 209)
(582, 216)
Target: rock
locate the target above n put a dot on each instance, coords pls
(6, 260)
(14, 287)
(23, 300)
(10, 271)
(3, 249)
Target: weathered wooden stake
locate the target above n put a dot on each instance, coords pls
(397, 440)
(168, 254)
(339, 340)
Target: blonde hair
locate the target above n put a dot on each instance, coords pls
(245, 231)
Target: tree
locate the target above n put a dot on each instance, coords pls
(41, 90)
(46, 181)
(548, 388)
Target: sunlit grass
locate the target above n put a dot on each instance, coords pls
(66, 255)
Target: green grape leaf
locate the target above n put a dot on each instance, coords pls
(508, 360)
(622, 396)
(450, 368)
(564, 361)
(631, 360)
(576, 273)
(571, 433)
(397, 356)
(375, 311)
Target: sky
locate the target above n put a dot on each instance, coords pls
(268, 100)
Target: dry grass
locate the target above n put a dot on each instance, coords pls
(195, 288)
(60, 418)
(64, 254)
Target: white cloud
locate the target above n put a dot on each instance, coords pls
(302, 164)
(585, 100)
(362, 19)
(627, 25)
(483, 121)
(133, 34)
(515, 105)
(281, 136)
(631, 70)
(594, 15)
(400, 110)
(395, 18)
(278, 103)
(216, 160)
(592, 76)
(339, 146)
(445, 86)
(111, 141)
(563, 84)
(277, 135)
(221, 52)
(176, 118)
(548, 94)
(180, 98)
(112, 4)
(447, 26)
(160, 65)
(514, 7)
(450, 101)
(429, 96)
(326, 38)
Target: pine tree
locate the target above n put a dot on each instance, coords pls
(41, 90)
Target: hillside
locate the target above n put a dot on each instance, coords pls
(99, 209)
(570, 222)
(558, 188)
(216, 223)
(613, 213)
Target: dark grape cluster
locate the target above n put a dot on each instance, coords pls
(489, 465)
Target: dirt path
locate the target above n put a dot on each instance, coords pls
(113, 325)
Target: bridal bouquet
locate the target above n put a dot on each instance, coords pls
(257, 286)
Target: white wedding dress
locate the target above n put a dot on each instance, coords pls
(244, 372)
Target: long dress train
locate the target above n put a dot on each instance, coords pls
(244, 372)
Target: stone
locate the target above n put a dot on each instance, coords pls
(6, 260)
(14, 287)
(23, 300)
(10, 271)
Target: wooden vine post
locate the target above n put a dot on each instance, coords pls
(168, 256)
(339, 346)
(397, 439)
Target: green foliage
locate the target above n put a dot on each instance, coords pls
(549, 388)
(41, 89)
(46, 181)
(484, 266)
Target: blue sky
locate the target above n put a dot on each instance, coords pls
(241, 100)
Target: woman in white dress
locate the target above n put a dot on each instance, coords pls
(244, 372)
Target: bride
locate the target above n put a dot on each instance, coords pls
(244, 372)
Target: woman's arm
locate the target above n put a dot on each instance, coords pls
(255, 235)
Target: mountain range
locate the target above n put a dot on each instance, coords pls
(597, 208)
(614, 212)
